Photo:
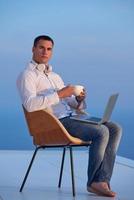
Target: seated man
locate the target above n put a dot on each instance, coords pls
(40, 88)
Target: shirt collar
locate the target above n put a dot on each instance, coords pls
(40, 67)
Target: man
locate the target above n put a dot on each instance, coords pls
(40, 88)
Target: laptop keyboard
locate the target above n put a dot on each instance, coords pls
(96, 119)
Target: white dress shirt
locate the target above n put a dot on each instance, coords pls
(38, 91)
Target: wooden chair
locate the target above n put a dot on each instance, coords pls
(48, 132)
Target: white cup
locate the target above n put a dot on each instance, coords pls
(78, 89)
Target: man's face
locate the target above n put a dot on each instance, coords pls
(42, 52)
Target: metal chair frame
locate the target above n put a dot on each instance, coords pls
(62, 164)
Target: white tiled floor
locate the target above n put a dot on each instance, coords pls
(43, 178)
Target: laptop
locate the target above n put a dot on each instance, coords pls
(95, 120)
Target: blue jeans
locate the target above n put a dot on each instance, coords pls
(105, 141)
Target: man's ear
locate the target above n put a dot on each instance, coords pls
(33, 49)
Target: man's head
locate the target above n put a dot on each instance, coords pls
(42, 49)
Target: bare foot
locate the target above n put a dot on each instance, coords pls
(91, 190)
(101, 188)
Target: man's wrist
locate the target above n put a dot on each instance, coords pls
(78, 100)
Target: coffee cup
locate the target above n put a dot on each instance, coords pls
(78, 89)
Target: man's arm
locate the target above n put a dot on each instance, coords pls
(75, 102)
(33, 101)
(66, 92)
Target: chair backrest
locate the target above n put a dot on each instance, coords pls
(46, 129)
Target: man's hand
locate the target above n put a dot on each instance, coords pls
(66, 91)
(81, 97)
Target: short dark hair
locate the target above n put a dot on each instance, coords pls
(42, 37)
